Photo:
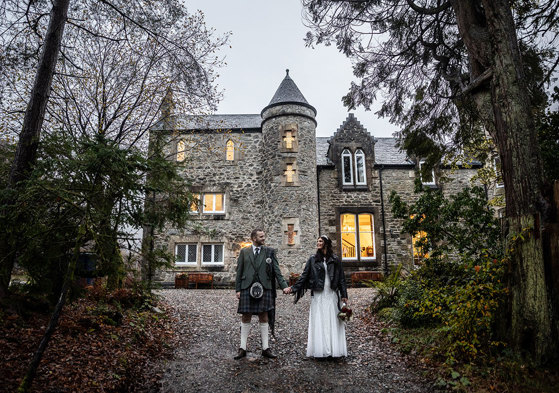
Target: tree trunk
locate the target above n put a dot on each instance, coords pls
(26, 153)
(511, 125)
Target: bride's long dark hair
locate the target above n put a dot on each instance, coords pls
(326, 251)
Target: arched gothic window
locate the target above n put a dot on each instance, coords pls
(347, 172)
(230, 151)
(360, 172)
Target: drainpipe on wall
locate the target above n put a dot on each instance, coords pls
(383, 222)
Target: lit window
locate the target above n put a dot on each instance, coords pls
(347, 173)
(498, 172)
(230, 153)
(195, 204)
(181, 150)
(366, 239)
(288, 139)
(357, 237)
(289, 173)
(419, 253)
(212, 254)
(186, 254)
(426, 179)
(214, 203)
(360, 167)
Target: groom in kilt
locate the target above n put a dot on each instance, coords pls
(257, 264)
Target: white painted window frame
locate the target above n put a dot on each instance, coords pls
(347, 153)
(213, 246)
(431, 183)
(186, 262)
(213, 211)
(360, 153)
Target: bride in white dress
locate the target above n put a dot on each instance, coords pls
(324, 276)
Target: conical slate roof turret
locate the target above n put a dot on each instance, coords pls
(288, 93)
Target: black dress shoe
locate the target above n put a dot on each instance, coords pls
(268, 354)
(240, 354)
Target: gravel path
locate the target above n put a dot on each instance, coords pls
(209, 326)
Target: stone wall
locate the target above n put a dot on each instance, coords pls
(241, 182)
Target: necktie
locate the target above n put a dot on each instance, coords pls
(257, 251)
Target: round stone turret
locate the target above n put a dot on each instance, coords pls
(289, 175)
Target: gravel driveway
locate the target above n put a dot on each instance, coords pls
(208, 326)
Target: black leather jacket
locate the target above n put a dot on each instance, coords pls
(314, 274)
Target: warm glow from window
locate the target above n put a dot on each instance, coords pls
(366, 240)
(357, 234)
(289, 173)
(195, 204)
(230, 154)
(213, 203)
(288, 139)
(349, 239)
(181, 150)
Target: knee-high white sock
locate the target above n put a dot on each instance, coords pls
(245, 330)
(264, 335)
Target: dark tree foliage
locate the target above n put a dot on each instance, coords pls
(451, 72)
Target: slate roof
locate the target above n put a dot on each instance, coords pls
(288, 92)
(387, 153)
(214, 122)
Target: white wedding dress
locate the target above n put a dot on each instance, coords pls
(326, 331)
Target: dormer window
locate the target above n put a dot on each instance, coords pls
(347, 164)
(427, 179)
(354, 172)
(361, 179)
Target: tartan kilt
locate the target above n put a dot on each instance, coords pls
(248, 305)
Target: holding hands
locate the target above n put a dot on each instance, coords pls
(287, 291)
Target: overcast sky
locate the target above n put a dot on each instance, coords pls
(267, 38)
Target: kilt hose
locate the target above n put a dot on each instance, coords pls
(248, 305)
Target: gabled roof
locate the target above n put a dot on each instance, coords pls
(288, 93)
(322, 146)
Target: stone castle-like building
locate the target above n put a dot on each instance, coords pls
(270, 170)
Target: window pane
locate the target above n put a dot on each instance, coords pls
(181, 251)
(348, 245)
(365, 223)
(192, 253)
(349, 237)
(181, 147)
(218, 202)
(218, 253)
(195, 205)
(366, 244)
(207, 253)
(360, 167)
(348, 222)
(347, 170)
(230, 155)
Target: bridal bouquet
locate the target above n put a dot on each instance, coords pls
(345, 313)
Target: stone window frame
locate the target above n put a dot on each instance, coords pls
(284, 129)
(357, 233)
(285, 222)
(293, 162)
